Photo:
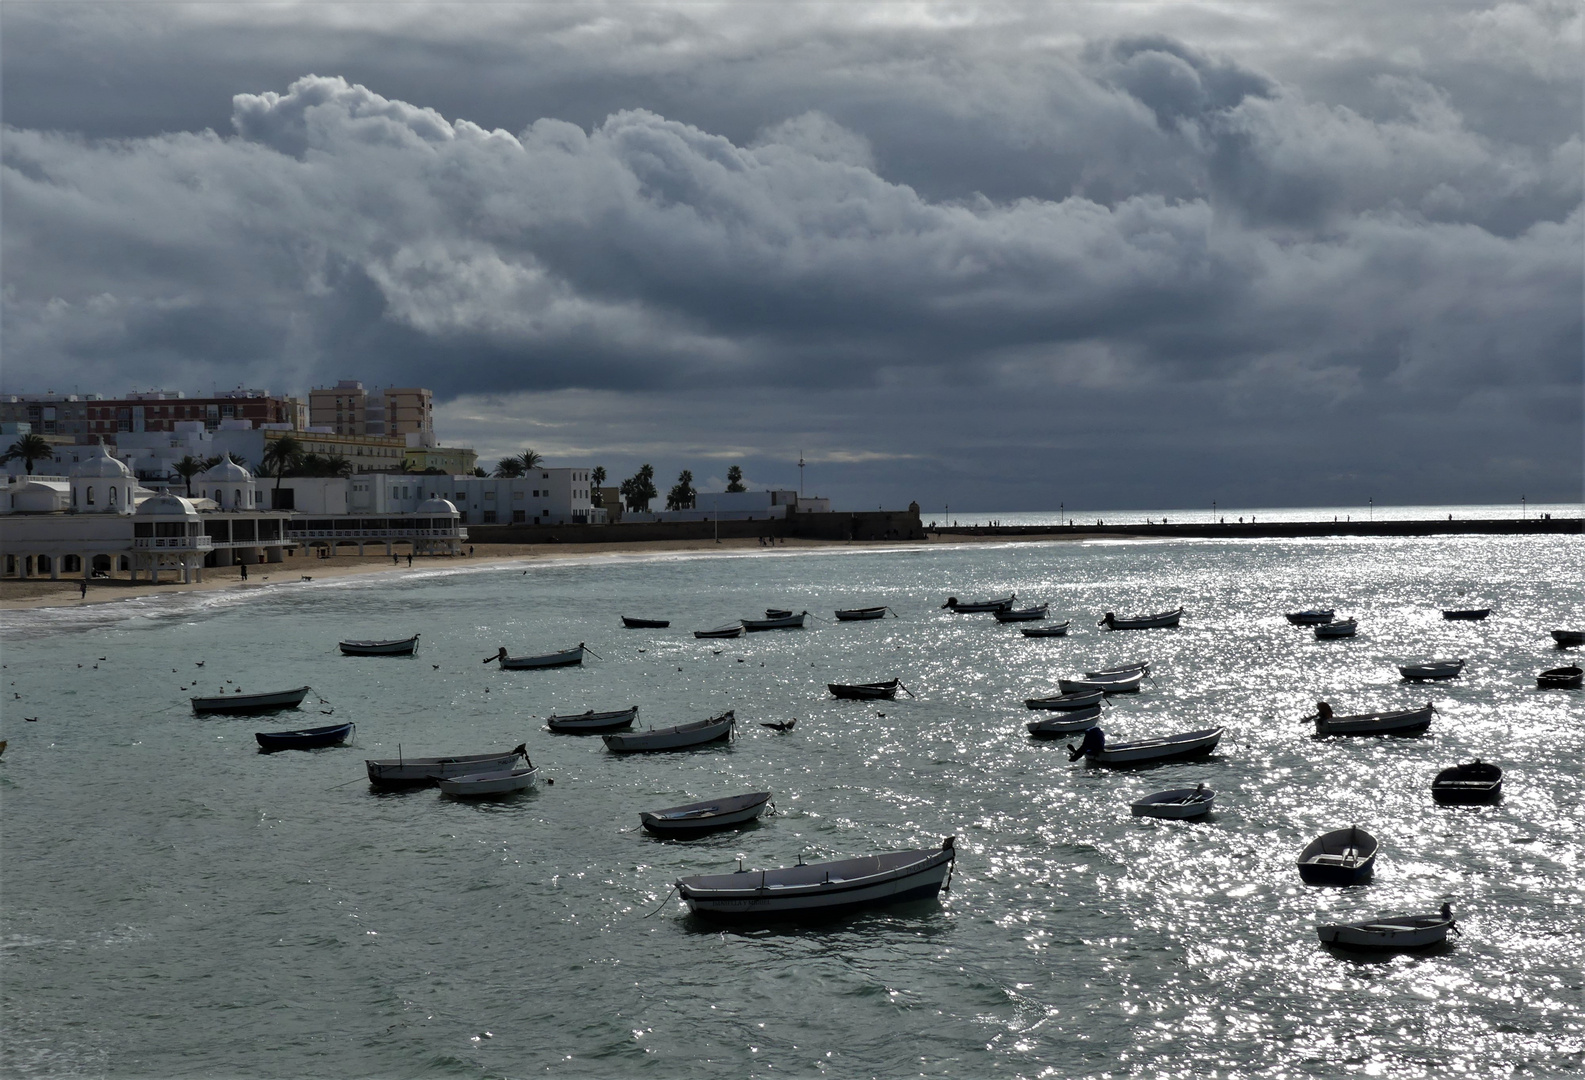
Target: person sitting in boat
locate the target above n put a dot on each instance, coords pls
(1094, 742)
(501, 655)
(1323, 711)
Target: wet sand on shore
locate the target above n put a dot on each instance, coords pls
(18, 595)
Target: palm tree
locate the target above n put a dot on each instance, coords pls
(598, 476)
(531, 459)
(734, 479)
(338, 465)
(189, 467)
(682, 494)
(639, 489)
(280, 456)
(28, 449)
(509, 467)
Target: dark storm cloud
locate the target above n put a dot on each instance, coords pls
(911, 250)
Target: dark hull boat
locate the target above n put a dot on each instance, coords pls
(976, 606)
(820, 889)
(421, 771)
(680, 737)
(1342, 857)
(645, 624)
(1080, 699)
(247, 704)
(708, 816)
(873, 691)
(1312, 617)
(862, 614)
(393, 647)
(1561, 678)
(306, 739)
(1054, 630)
(1469, 784)
(593, 723)
(1065, 723)
(1398, 722)
(1466, 614)
(1140, 753)
(1031, 614)
(1567, 638)
(787, 621)
(1160, 620)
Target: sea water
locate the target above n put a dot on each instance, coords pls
(177, 904)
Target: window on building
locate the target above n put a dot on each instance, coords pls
(112, 499)
(90, 496)
(489, 517)
(519, 516)
(517, 496)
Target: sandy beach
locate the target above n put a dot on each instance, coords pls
(18, 595)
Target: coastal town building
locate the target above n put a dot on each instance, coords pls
(348, 409)
(769, 505)
(89, 416)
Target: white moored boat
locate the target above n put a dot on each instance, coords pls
(1179, 804)
(778, 621)
(705, 816)
(1054, 630)
(976, 606)
(1431, 670)
(1123, 672)
(498, 782)
(393, 647)
(592, 723)
(1398, 722)
(1065, 723)
(1140, 752)
(1391, 932)
(1028, 614)
(1342, 628)
(1142, 622)
(821, 888)
(564, 658)
(243, 704)
(1109, 684)
(673, 738)
(412, 771)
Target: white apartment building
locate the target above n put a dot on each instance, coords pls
(542, 497)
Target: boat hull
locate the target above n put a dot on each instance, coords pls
(1145, 752)
(1567, 638)
(1313, 617)
(711, 815)
(306, 739)
(1126, 685)
(1431, 672)
(1078, 699)
(733, 631)
(1065, 723)
(1033, 614)
(645, 624)
(681, 737)
(1344, 628)
(886, 691)
(1054, 630)
(1340, 857)
(820, 889)
(1563, 678)
(565, 658)
(977, 607)
(1470, 784)
(1391, 933)
(397, 647)
(251, 704)
(1165, 620)
(1179, 804)
(1403, 722)
(861, 614)
(483, 785)
(593, 723)
(1466, 614)
(421, 772)
(780, 622)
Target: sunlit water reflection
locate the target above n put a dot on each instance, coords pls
(177, 904)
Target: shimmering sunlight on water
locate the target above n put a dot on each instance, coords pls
(176, 904)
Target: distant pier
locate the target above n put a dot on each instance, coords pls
(1279, 530)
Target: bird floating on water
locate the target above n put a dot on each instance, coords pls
(779, 726)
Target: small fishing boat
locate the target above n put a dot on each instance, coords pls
(1065, 723)
(1079, 699)
(870, 691)
(1391, 933)
(1566, 638)
(1310, 617)
(1054, 630)
(1342, 628)
(1431, 670)
(244, 704)
(729, 630)
(591, 722)
(976, 606)
(700, 817)
(1571, 677)
(304, 739)
(680, 737)
(778, 612)
(1142, 667)
(645, 624)
(821, 888)
(1395, 722)
(1142, 622)
(1469, 784)
(411, 772)
(785, 621)
(862, 614)
(1111, 684)
(1341, 857)
(1179, 804)
(484, 784)
(394, 647)
(1028, 614)
(564, 658)
(1466, 614)
(1140, 752)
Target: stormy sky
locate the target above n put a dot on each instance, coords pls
(992, 255)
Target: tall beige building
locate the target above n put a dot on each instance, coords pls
(348, 409)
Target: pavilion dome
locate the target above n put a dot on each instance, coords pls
(166, 505)
(225, 471)
(436, 506)
(99, 465)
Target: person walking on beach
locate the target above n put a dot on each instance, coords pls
(244, 571)
(82, 587)
(409, 558)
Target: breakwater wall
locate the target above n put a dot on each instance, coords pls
(862, 525)
(1280, 529)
